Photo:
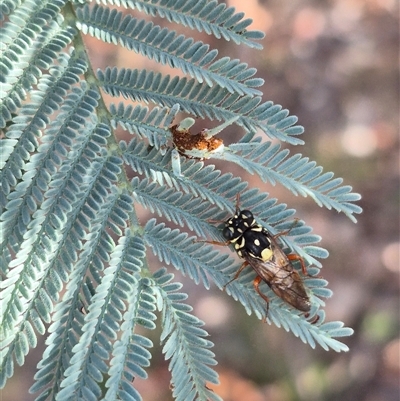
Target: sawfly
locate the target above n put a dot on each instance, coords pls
(261, 251)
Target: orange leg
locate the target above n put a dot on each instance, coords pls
(237, 201)
(215, 242)
(256, 284)
(286, 232)
(236, 274)
(293, 256)
(315, 319)
(298, 258)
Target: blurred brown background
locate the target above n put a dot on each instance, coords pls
(334, 64)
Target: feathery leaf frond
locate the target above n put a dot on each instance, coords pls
(166, 47)
(297, 173)
(184, 344)
(209, 16)
(199, 99)
(203, 181)
(152, 125)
